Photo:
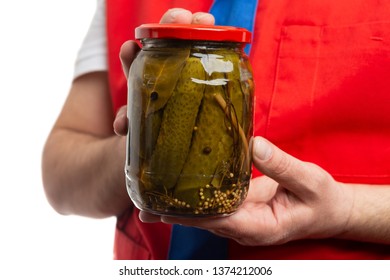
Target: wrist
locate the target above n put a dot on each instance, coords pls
(113, 198)
(369, 219)
(349, 213)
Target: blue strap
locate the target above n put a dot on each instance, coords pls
(239, 13)
(192, 243)
(189, 243)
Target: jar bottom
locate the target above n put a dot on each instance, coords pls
(223, 203)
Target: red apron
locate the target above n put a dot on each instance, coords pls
(322, 94)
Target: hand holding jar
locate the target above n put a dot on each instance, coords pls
(293, 200)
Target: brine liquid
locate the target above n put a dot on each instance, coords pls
(190, 122)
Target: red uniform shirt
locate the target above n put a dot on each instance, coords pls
(322, 95)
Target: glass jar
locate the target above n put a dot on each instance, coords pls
(190, 111)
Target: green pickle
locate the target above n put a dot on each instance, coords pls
(190, 122)
(163, 169)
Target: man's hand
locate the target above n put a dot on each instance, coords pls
(293, 200)
(130, 49)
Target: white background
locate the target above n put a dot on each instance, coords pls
(38, 44)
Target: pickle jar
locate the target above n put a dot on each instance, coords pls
(190, 112)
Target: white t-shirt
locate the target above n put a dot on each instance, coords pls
(92, 55)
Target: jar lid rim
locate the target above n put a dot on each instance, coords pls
(193, 32)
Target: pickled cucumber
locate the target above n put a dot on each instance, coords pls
(178, 121)
(211, 163)
(160, 77)
(211, 145)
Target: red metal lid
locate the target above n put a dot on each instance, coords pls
(193, 32)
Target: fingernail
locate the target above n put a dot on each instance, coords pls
(176, 12)
(120, 114)
(166, 220)
(262, 148)
(201, 16)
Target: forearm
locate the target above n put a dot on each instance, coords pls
(370, 216)
(84, 174)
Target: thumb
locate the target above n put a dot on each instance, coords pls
(295, 175)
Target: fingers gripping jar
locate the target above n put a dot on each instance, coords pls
(190, 111)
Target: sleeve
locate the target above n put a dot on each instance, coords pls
(92, 55)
